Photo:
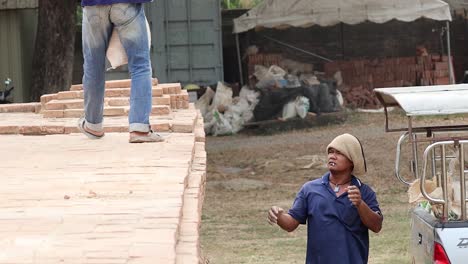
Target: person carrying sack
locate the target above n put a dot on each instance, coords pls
(100, 18)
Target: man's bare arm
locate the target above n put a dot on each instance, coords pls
(276, 215)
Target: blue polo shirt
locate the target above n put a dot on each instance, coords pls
(109, 2)
(335, 233)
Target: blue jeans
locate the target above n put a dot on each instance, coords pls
(130, 22)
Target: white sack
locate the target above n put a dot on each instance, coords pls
(116, 53)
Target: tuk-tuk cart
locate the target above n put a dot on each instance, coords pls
(436, 154)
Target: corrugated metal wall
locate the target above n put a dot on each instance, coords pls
(17, 37)
(187, 45)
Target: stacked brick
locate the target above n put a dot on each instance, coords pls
(69, 104)
(266, 60)
(58, 113)
(360, 77)
(188, 248)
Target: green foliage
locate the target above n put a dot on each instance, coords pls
(79, 15)
(233, 4)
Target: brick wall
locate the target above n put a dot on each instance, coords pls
(360, 77)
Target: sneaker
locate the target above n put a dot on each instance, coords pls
(81, 126)
(148, 138)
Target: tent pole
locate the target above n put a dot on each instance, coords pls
(449, 54)
(239, 61)
(342, 41)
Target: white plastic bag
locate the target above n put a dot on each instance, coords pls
(204, 102)
(223, 97)
(222, 125)
(289, 110)
(116, 53)
(302, 106)
(250, 95)
(236, 114)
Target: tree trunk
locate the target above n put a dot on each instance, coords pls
(54, 50)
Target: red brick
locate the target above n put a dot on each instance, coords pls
(161, 110)
(441, 66)
(64, 104)
(172, 90)
(173, 102)
(69, 95)
(53, 114)
(18, 108)
(31, 130)
(442, 81)
(76, 87)
(115, 111)
(118, 84)
(162, 127)
(119, 101)
(114, 92)
(182, 127)
(179, 102)
(116, 129)
(49, 130)
(38, 108)
(157, 92)
(9, 129)
(440, 73)
(73, 113)
(47, 98)
(165, 100)
(72, 129)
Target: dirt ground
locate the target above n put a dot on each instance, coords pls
(248, 173)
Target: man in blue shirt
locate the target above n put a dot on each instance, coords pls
(100, 17)
(338, 208)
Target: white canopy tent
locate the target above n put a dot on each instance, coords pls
(305, 13)
(281, 14)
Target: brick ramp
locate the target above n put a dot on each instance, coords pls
(57, 113)
(68, 199)
(180, 121)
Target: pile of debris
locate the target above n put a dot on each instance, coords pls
(272, 94)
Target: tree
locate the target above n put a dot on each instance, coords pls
(54, 48)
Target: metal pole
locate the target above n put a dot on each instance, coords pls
(414, 148)
(168, 45)
(188, 6)
(449, 54)
(445, 185)
(298, 49)
(239, 61)
(462, 181)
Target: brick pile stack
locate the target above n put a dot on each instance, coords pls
(266, 60)
(57, 113)
(360, 77)
(69, 104)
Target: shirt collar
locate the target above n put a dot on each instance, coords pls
(354, 180)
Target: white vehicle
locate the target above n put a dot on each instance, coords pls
(437, 158)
